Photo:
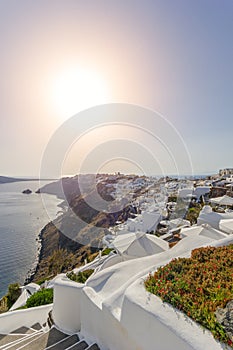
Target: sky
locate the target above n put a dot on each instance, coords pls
(174, 57)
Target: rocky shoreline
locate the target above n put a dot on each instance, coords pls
(76, 234)
(32, 271)
(51, 242)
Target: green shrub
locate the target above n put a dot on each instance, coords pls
(193, 214)
(197, 285)
(106, 251)
(42, 297)
(42, 280)
(3, 304)
(14, 292)
(81, 277)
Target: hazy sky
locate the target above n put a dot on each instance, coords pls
(171, 56)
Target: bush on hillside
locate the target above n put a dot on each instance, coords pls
(197, 285)
(81, 277)
(60, 261)
(106, 251)
(193, 213)
(42, 297)
(14, 292)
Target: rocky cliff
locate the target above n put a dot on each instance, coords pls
(77, 234)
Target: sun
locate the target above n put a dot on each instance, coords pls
(76, 89)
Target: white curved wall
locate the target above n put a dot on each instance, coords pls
(158, 326)
(10, 321)
(66, 308)
(99, 325)
(112, 260)
(114, 309)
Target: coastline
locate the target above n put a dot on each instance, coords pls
(57, 251)
(22, 219)
(32, 271)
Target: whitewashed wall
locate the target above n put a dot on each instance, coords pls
(66, 309)
(10, 321)
(158, 326)
(115, 310)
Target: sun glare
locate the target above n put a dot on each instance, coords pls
(77, 89)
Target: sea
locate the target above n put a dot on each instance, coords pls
(22, 217)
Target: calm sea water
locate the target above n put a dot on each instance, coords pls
(22, 217)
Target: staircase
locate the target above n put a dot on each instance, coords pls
(40, 337)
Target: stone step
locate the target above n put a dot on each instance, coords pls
(8, 338)
(21, 341)
(36, 326)
(64, 344)
(22, 330)
(93, 347)
(51, 340)
(82, 345)
(42, 341)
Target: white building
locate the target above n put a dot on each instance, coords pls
(148, 221)
(229, 178)
(226, 171)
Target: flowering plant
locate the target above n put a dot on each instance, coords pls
(197, 285)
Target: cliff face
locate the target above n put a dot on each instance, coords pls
(65, 188)
(58, 254)
(76, 234)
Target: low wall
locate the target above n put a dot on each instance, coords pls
(158, 326)
(10, 321)
(112, 260)
(99, 325)
(66, 305)
(78, 308)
